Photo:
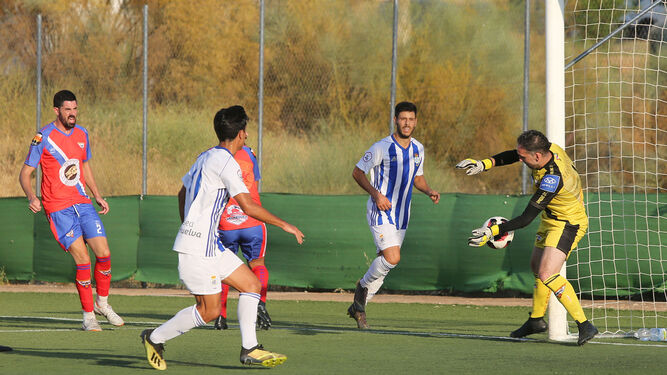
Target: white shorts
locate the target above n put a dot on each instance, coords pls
(202, 275)
(386, 236)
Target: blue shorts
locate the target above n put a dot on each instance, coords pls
(252, 241)
(75, 221)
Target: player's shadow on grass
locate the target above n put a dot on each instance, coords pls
(111, 360)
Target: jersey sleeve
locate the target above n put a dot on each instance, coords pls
(506, 157)
(371, 158)
(232, 177)
(88, 152)
(420, 169)
(35, 151)
(549, 186)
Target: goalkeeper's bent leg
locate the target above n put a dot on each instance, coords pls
(540, 298)
(566, 295)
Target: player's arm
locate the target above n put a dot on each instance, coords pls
(24, 179)
(260, 213)
(181, 203)
(90, 181)
(380, 200)
(422, 185)
(473, 166)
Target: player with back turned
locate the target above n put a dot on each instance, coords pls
(203, 261)
(559, 199)
(395, 164)
(62, 149)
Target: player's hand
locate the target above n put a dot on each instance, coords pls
(382, 202)
(35, 205)
(473, 166)
(435, 196)
(289, 228)
(480, 237)
(103, 205)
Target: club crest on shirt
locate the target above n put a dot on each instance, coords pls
(81, 144)
(70, 173)
(37, 139)
(235, 214)
(417, 158)
(367, 157)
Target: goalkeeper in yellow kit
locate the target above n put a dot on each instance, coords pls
(559, 198)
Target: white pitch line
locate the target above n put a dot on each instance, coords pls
(323, 330)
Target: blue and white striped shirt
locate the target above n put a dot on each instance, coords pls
(392, 172)
(212, 179)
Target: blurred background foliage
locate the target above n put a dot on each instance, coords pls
(326, 84)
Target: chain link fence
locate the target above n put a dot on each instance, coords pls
(326, 88)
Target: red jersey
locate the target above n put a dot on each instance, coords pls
(61, 157)
(233, 216)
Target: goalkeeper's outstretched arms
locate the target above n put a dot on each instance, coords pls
(473, 166)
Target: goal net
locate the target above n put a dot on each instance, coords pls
(616, 132)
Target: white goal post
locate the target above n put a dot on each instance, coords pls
(608, 109)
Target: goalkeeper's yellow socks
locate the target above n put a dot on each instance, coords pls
(540, 298)
(566, 295)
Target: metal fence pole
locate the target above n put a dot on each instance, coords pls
(38, 110)
(394, 57)
(526, 100)
(260, 92)
(144, 156)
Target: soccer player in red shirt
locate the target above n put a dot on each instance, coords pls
(237, 229)
(63, 151)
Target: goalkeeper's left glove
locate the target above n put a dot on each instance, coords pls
(475, 166)
(481, 236)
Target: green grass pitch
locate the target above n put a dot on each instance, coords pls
(317, 337)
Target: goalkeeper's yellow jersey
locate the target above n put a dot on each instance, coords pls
(560, 191)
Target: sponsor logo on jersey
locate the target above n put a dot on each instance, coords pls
(81, 144)
(37, 139)
(549, 183)
(367, 157)
(69, 172)
(538, 237)
(186, 229)
(235, 214)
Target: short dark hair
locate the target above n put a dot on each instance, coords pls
(63, 96)
(228, 122)
(533, 141)
(405, 107)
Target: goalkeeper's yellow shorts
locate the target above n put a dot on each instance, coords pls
(559, 234)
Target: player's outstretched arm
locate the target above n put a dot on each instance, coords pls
(422, 185)
(474, 167)
(380, 200)
(260, 213)
(90, 181)
(24, 179)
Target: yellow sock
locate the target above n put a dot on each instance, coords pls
(540, 298)
(566, 295)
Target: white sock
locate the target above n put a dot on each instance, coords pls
(379, 269)
(102, 301)
(374, 287)
(183, 321)
(247, 314)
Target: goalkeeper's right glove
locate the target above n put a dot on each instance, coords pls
(475, 166)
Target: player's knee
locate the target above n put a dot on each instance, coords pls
(392, 259)
(255, 286)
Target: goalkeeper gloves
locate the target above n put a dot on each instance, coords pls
(475, 166)
(481, 236)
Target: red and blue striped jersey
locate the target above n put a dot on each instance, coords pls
(61, 156)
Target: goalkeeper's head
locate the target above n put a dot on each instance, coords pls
(533, 148)
(228, 122)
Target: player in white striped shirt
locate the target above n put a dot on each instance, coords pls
(395, 164)
(202, 259)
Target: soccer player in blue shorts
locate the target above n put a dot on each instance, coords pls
(63, 151)
(395, 164)
(238, 230)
